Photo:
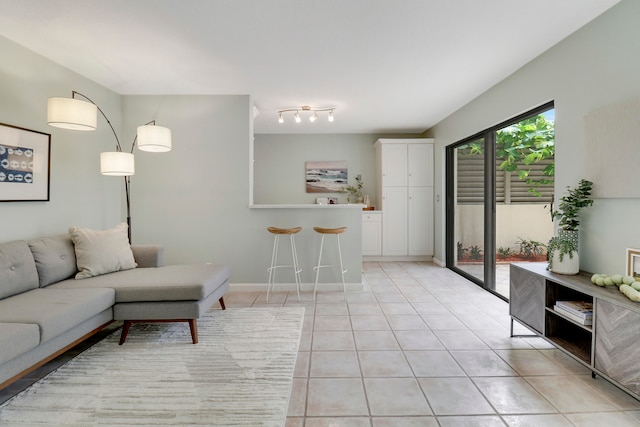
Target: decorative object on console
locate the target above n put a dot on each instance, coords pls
(633, 263)
(76, 114)
(24, 164)
(312, 118)
(562, 250)
(628, 285)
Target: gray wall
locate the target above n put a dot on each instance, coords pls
(194, 200)
(595, 67)
(279, 166)
(79, 195)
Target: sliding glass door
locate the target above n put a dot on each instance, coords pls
(468, 207)
(499, 192)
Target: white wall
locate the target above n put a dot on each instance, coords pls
(595, 67)
(79, 195)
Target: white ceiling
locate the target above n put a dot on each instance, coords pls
(387, 66)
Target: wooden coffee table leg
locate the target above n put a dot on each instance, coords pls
(222, 303)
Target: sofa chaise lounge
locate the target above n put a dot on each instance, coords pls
(49, 302)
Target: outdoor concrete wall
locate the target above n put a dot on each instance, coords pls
(529, 222)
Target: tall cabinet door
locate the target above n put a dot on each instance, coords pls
(420, 221)
(420, 165)
(394, 221)
(394, 165)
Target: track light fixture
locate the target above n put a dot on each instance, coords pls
(312, 118)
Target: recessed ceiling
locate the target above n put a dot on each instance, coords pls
(387, 66)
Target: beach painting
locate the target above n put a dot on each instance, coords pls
(326, 176)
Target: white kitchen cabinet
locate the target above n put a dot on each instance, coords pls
(394, 221)
(420, 165)
(372, 233)
(405, 196)
(420, 221)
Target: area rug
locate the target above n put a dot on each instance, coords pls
(239, 374)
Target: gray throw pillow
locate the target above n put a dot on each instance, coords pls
(55, 258)
(18, 271)
(100, 252)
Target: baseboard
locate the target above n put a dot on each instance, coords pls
(421, 258)
(291, 287)
(439, 263)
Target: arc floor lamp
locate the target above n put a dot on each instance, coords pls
(77, 114)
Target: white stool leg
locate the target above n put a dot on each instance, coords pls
(317, 268)
(342, 269)
(272, 269)
(296, 269)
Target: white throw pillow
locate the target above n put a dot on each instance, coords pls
(100, 252)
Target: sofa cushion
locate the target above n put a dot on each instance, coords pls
(185, 282)
(55, 311)
(16, 339)
(55, 258)
(99, 252)
(17, 269)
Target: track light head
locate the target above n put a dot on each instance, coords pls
(330, 118)
(280, 118)
(314, 117)
(296, 117)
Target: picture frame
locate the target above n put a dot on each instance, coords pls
(25, 159)
(326, 176)
(633, 263)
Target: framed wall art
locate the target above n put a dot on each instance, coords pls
(633, 263)
(326, 177)
(24, 164)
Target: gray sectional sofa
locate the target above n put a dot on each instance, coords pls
(49, 302)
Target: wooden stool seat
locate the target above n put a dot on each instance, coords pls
(330, 230)
(276, 230)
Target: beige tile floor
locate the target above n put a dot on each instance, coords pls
(421, 346)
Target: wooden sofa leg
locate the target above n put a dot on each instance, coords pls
(193, 325)
(221, 300)
(125, 331)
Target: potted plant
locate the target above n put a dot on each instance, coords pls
(562, 250)
(355, 191)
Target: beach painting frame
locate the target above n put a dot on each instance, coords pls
(326, 176)
(24, 164)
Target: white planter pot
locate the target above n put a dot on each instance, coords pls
(568, 265)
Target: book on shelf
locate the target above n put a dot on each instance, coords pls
(582, 309)
(586, 321)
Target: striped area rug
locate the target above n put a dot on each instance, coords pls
(239, 374)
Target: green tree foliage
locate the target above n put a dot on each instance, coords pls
(521, 145)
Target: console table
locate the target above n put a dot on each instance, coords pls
(610, 347)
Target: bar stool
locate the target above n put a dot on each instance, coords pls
(274, 255)
(324, 232)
